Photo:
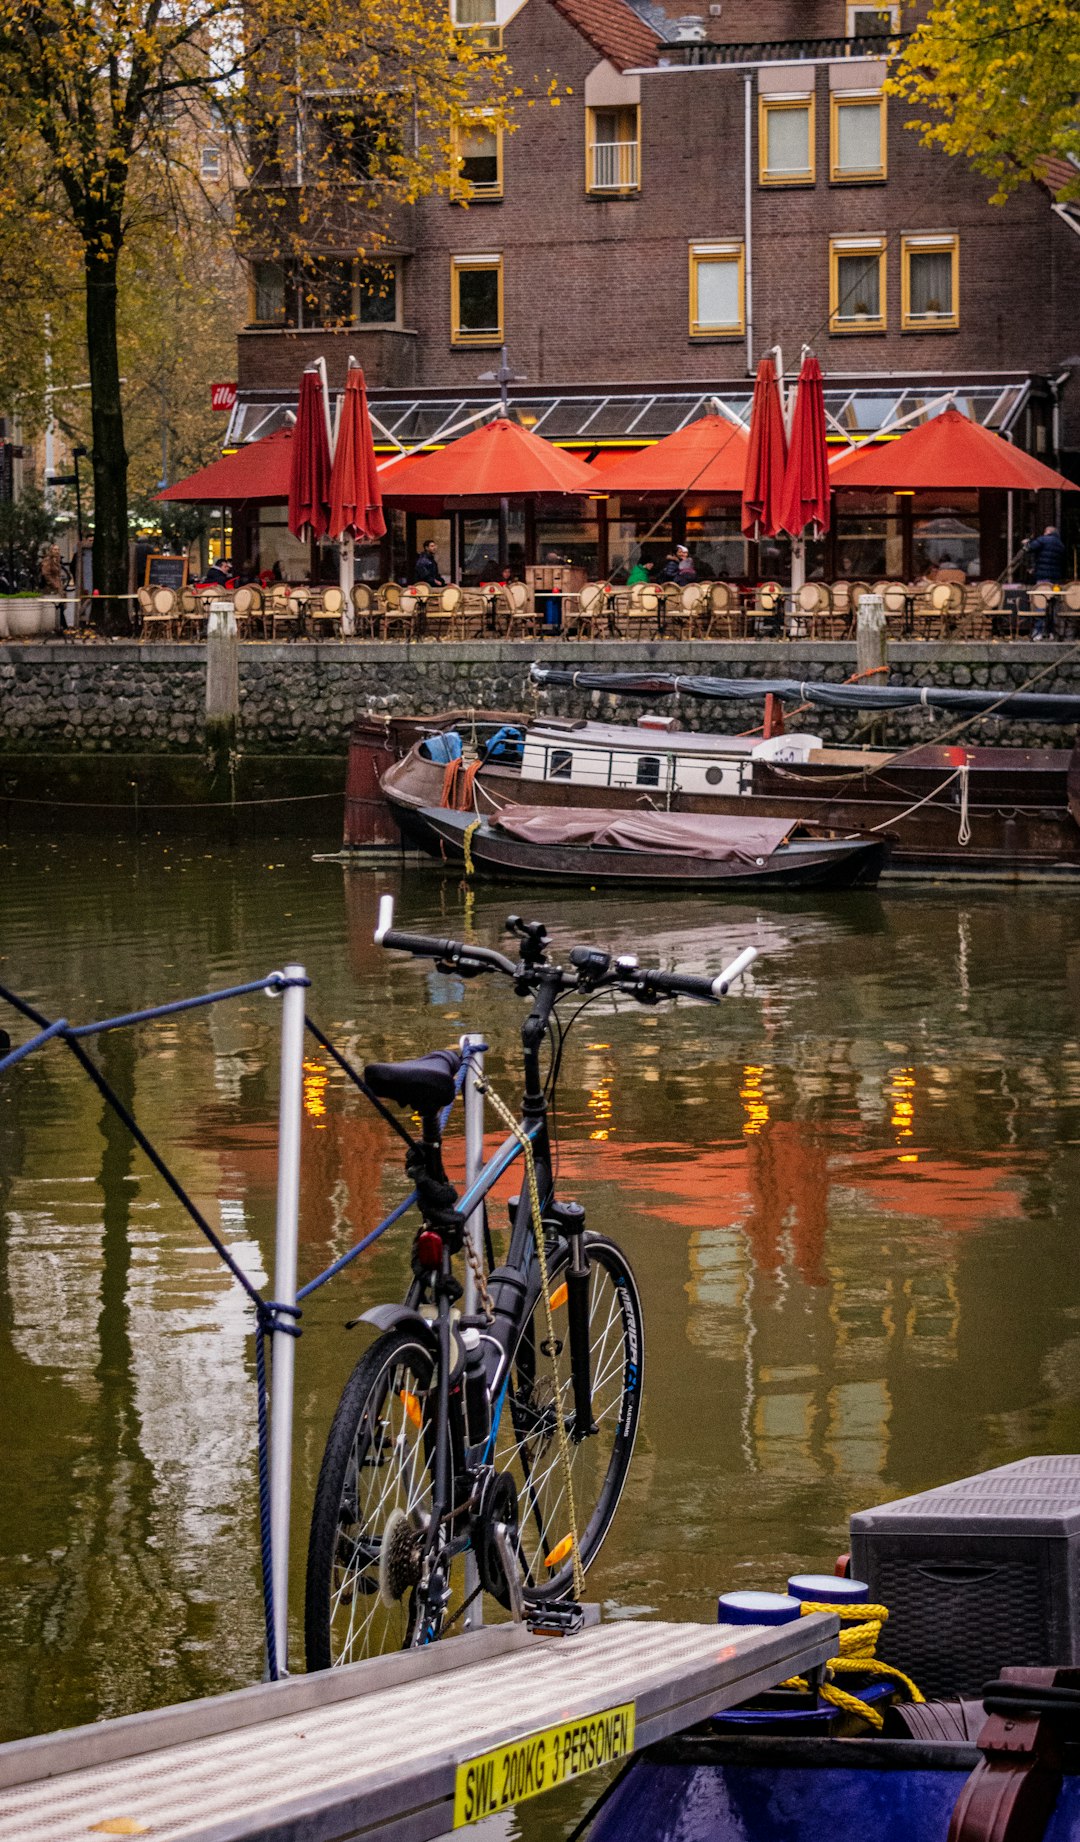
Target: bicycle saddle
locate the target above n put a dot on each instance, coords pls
(425, 1084)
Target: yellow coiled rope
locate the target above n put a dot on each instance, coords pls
(467, 843)
(858, 1643)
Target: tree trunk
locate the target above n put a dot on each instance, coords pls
(110, 461)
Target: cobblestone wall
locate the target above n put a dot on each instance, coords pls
(67, 697)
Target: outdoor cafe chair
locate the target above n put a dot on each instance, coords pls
(1067, 616)
(720, 616)
(642, 617)
(810, 600)
(326, 610)
(765, 617)
(194, 615)
(365, 612)
(162, 618)
(683, 619)
(440, 615)
(247, 609)
(592, 621)
(282, 611)
(524, 615)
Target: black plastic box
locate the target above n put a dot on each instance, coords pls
(977, 1574)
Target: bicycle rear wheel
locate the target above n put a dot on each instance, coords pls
(375, 1483)
(527, 1443)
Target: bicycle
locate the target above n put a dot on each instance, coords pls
(460, 1435)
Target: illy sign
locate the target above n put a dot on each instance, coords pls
(222, 396)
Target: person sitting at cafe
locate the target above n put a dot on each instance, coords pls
(639, 572)
(679, 567)
(427, 566)
(1046, 556)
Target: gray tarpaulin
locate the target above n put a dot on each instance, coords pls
(1038, 706)
(680, 834)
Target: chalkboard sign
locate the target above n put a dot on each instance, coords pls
(166, 572)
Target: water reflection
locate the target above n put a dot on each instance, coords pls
(848, 1195)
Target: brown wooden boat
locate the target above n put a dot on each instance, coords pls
(951, 810)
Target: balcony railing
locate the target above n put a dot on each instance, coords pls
(781, 50)
(613, 166)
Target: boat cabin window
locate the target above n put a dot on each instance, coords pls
(560, 763)
(648, 771)
(714, 775)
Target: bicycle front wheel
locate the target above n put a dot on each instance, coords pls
(527, 1443)
(372, 1506)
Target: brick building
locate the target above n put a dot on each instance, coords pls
(712, 181)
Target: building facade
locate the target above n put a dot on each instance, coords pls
(680, 193)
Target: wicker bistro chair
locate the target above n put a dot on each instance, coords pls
(523, 616)
(326, 610)
(282, 612)
(764, 620)
(397, 612)
(161, 620)
(248, 608)
(685, 617)
(642, 617)
(938, 611)
(592, 620)
(811, 601)
(365, 612)
(720, 616)
(1067, 618)
(442, 614)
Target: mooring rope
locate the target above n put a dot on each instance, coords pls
(856, 1655)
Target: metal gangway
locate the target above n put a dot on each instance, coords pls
(403, 1747)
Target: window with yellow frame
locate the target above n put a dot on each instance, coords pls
(613, 149)
(476, 156)
(857, 301)
(786, 140)
(717, 291)
(476, 300)
(857, 147)
(929, 283)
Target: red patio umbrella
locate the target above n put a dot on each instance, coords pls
(260, 470)
(355, 495)
(309, 472)
(497, 461)
(805, 497)
(708, 455)
(948, 452)
(764, 480)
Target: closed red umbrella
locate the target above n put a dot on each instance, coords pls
(805, 497)
(309, 472)
(764, 480)
(355, 496)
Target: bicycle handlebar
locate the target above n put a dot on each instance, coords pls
(644, 984)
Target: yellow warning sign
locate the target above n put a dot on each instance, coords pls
(539, 1761)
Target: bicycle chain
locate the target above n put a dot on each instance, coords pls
(480, 1276)
(523, 1139)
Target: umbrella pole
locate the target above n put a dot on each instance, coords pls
(504, 532)
(798, 564)
(346, 577)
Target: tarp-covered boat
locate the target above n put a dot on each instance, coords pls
(656, 849)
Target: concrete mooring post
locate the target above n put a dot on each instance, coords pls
(222, 682)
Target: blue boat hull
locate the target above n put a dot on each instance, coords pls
(801, 1791)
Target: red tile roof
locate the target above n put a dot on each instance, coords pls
(614, 29)
(1057, 173)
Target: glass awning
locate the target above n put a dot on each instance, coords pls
(633, 418)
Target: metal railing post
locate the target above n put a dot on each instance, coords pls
(474, 1228)
(283, 1351)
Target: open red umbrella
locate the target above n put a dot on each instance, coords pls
(355, 496)
(805, 497)
(309, 471)
(764, 480)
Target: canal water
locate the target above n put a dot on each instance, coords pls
(849, 1193)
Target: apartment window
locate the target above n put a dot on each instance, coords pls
(716, 290)
(613, 150)
(930, 283)
(857, 137)
(479, 19)
(352, 142)
(377, 294)
(872, 21)
(210, 163)
(324, 286)
(476, 300)
(857, 285)
(268, 293)
(477, 159)
(786, 140)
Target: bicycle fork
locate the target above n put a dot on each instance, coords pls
(570, 1217)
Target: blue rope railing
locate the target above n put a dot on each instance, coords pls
(271, 1317)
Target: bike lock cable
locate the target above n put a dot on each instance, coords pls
(512, 1125)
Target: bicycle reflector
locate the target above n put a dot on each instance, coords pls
(428, 1248)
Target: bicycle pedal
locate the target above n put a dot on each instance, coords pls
(563, 1620)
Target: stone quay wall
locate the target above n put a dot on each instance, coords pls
(72, 698)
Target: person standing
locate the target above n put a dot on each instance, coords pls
(427, 566)
(1046, 556)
